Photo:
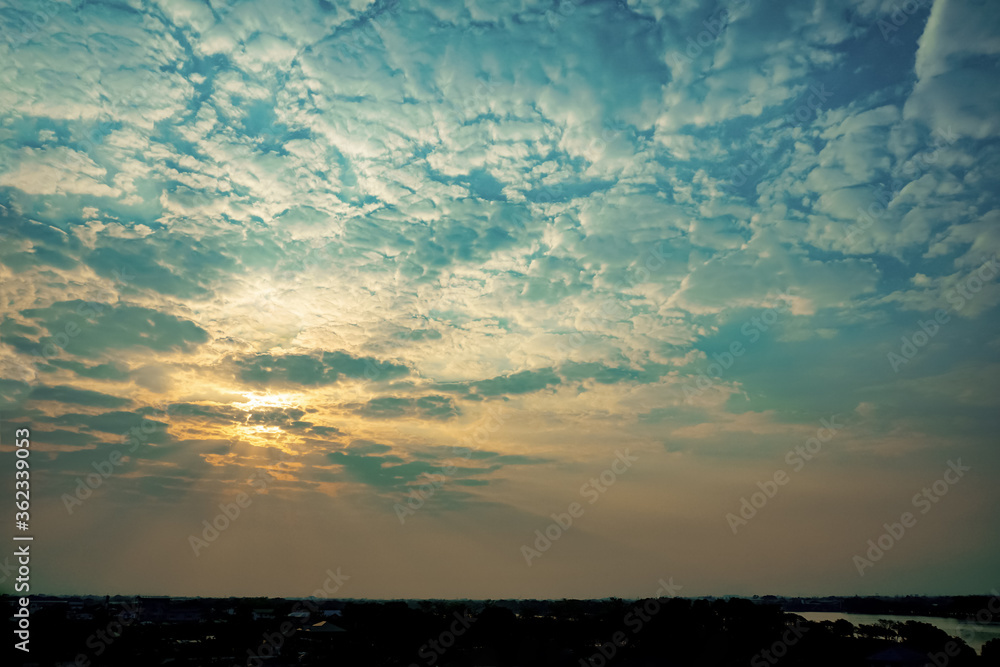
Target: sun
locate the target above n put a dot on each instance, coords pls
(264, 435)
(256, 400)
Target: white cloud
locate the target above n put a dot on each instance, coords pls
(958, 82)
(57, 171)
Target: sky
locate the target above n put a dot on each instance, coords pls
(502, 299)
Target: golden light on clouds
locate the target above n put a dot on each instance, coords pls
(256, 400)
(326, 266)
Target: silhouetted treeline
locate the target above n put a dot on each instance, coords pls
(566, 633)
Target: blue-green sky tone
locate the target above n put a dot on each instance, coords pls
(410, 274)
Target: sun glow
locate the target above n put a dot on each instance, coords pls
(264, 435)
(261, 435)
(256, 400)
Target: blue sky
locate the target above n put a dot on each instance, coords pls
(411, 274)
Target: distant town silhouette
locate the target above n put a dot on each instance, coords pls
(758, 631)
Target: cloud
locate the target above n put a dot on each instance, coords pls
(369, 463)
(381, 472)
(155, 378)
(117, 423)
(367, 447)
(424, 407)
(326, 368)
(13, 392)
(497, 221)
(72, 395)
(131, 262)
(765, 273)
(611, 374)
(94, 328)
(958, 86)
(516, 383)
(108, 371)
(57, 171)
(64, 437)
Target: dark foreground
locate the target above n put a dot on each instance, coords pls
(654, 632)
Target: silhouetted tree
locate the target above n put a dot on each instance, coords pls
(990, 656)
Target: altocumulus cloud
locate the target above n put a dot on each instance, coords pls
(289, 227)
